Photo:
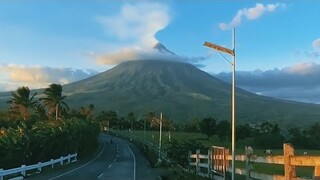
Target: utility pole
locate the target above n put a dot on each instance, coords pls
(160, 131)
(231, 52)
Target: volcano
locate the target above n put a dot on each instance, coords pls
(182, 92)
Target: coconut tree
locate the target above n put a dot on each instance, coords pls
(21, 101)
(54, 99)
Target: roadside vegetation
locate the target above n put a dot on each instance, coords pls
(39, 129)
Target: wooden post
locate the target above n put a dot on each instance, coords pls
(317, 172)
(289, 170)
(52, 164)
(249, 166)
(197, 162)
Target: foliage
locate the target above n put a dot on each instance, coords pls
(21, 101)
(224, 130)
(178, 151)
(208, 126)
(44, 140)
(54, 99)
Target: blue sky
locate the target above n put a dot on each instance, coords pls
(43, 42)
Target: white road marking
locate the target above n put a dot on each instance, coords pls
(134, 163)
(100, 175)
(110, 166)
(82, 165)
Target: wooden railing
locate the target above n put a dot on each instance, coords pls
(204, 164)
(23, 169)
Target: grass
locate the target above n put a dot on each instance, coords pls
(153, 136)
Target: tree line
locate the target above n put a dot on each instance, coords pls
(262, 134)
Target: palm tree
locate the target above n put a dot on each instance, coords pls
(21, 101)
(54, 99)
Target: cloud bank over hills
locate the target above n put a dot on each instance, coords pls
(299, 82)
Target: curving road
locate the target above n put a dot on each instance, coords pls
(118, 159)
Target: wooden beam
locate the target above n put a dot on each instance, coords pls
(305, 160)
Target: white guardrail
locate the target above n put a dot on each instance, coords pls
(23, 169)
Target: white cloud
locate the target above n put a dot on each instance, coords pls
(134, 30)
(39, 77)
(316, 44)
(251, 14)
(137, 23)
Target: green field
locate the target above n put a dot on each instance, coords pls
(153, 137)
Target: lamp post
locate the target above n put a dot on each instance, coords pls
(233, 63)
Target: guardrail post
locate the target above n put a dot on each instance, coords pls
(316, 172)
(61, 160)
(75, 158)
(249, 166)
(289, 170)
(69, 157)
(1, 171)
(39, 168)
(52, 164)
(197, 162)
(23, 171)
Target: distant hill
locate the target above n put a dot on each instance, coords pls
(182, 92)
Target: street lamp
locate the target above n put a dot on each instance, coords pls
(233, 63)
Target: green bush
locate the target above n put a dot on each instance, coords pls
(28, 142)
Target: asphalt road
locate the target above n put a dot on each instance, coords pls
(118, 159)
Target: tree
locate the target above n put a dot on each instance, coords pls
(313, 133)
(298, 138)
(223, 129)
(208, 126)
(243, 131)
(87, 112)
(21, 101)
(54, 99)
(108, 119)
(131, 119)
(268, 136)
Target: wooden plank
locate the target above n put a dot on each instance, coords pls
(305, 160)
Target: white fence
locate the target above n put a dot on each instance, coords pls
(23, 169)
